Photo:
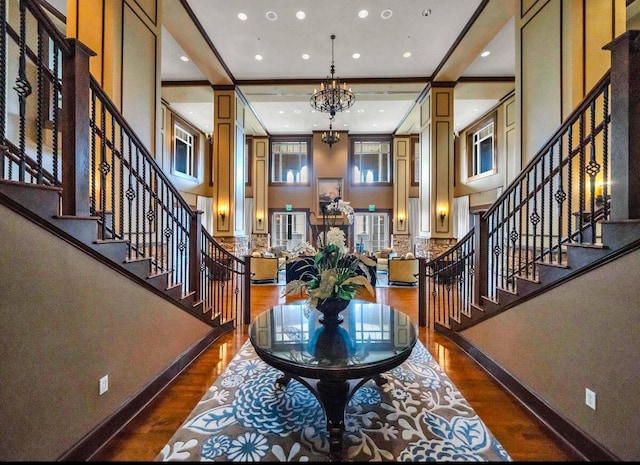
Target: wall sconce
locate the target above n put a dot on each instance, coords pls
(222, 211)
(259, 217)
(401, 218)
(443, 212)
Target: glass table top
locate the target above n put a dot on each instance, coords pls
(371, 335)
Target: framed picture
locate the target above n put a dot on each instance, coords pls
(329, 189)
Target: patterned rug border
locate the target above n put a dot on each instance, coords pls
(419, 415)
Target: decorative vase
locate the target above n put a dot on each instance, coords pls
(330, 309)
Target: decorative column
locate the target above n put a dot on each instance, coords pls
(401, 183)
(228, 170)
(260, 192)
(436, 168)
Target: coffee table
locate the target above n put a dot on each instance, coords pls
(333, 361)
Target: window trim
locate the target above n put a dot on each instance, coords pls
(279, 139)
(185, 126)
(489, 119)
(369, 138)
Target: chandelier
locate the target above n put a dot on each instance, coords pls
(332, 98)
(331, 137)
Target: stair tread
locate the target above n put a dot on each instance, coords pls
(588, 245)
(74, 217)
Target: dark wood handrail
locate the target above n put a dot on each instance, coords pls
(113, 110)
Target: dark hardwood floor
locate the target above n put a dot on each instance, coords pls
(523, 436)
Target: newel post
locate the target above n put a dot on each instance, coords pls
(422, 294)
(625, 126)
(76, 154)
(195, 255)
(246, 316)
(480, 259)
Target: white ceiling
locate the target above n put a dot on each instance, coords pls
(272, 85)
(386, 84)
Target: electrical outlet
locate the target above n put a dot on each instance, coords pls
(590, 398)
(104, 384)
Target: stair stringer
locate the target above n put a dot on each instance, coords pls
(41, 204)
(578, 258)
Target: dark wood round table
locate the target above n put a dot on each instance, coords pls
(333, 361)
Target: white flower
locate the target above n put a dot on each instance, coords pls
(335, 236)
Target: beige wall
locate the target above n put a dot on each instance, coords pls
(583, 334)
(559, 58)
(68, 320)
(125, 34)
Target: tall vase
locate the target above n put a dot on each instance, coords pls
(330, 309)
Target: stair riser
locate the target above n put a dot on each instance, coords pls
(619, 234)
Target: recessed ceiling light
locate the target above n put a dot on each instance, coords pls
(300, 15)
(347, 111)
(426, 12)
(305, 56)
(475, 109)
(271, 15)
(258, 57)
(381, 110)
(356, 55)
(406, 54)
(486, 53)
(242, 16)
(286, 125)
(360, 110)
(281, 111)
(297, 112)
(386, 14)
(363, 13)
(375, 125)
(315, 125)
(184, 58)
(345, 125)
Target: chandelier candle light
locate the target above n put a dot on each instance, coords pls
(331, 137)
(332, 98)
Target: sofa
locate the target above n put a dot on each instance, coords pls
(264, 269)
(403, 270)
(383, 256)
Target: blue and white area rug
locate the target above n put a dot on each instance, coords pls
(419, 415)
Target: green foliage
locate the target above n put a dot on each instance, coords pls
(333, 275)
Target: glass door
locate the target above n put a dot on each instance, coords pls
(371, 231)
(289, 229)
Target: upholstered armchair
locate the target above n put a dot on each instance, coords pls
(264, 269)
(403, 270)
(383, 256)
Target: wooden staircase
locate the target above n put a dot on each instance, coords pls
(578, 258)
(42, 204)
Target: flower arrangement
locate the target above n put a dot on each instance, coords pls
(333, 275)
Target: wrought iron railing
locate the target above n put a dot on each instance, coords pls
(130, 195)
(449, 282)
(559, 198)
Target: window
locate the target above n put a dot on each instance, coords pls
(481, 148)
(185, 149)
(371, 230)
(415, 161)
(289, 229)
(370, 160)
(290, 161)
